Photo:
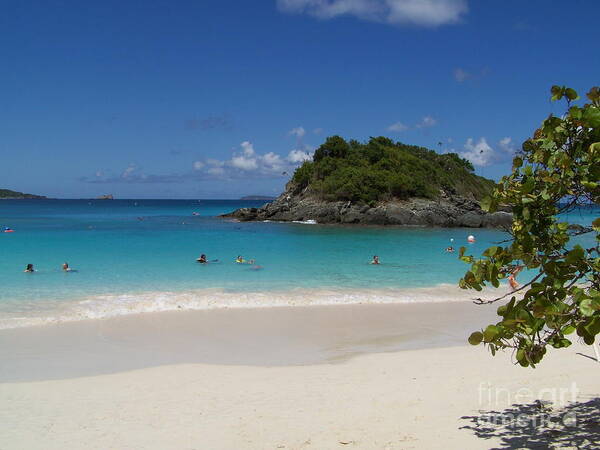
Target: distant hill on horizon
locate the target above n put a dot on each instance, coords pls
(8, 194)
(258, 197)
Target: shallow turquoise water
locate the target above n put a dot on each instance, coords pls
(135, 246)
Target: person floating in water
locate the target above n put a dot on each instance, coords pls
(375, 260)
(240, 260)
(29, 268)
(66, 267)
(202, 259)
(512, 281)
(450, 249)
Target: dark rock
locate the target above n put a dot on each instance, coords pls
(448, 211)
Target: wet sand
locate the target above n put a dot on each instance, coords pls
(262, 336)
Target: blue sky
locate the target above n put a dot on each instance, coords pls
(218, 99)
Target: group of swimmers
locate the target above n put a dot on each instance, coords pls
(239, 260)
(65, 267)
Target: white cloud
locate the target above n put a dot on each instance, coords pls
(129, 171)
(461, 75)
(427, 122)
(242, 162)
(272, 161)
(417, 12)
(479, 153)
(248, 162)
(507, 145)
(299, 132)
(215, 162)
(216, 171)
(298, 156)
(247, 148)
(397, 127)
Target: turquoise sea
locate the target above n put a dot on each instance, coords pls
(139, 255)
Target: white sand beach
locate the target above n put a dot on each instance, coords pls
(383, 387)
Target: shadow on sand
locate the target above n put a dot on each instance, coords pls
(539, 425)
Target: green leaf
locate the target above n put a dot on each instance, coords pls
(571, 94)
(574, 255)
(490, 333)
(557, 92)
(522, 358)
(565, 343)
(476, 338)
(586, 307)
(517, 162)
(592, 117)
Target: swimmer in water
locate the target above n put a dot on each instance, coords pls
(450, 249)
(202, 259)
(512, 277)
(66, 268)
(375, 260)
(29, 268)
(239, 259)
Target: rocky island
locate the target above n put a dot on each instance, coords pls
(7, 194)
(382, 182)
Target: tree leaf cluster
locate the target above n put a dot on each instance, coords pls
(558, 170)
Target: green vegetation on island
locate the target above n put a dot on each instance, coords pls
(382, 170)
(8, 194)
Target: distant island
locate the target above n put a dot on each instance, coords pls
(7, 194)
(105, 197)
(382, 182)
(258, 197)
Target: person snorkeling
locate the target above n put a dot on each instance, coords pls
(450, 249)
(29, 268)
(202, 259)
(375, 260)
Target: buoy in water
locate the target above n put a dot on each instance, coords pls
(471, 238)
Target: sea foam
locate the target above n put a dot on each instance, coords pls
(106, 306)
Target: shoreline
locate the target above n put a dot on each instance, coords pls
(105, 306)
(321, 334)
